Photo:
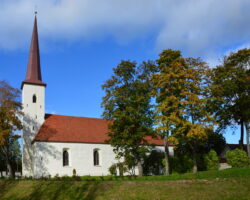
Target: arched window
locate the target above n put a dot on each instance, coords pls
(34, 98)
(65, 158)
(96, 157)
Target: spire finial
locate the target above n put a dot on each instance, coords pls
(35, 10)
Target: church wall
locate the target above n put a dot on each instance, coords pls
(32, 120)
(49, 159)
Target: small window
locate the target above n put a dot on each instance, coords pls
(34, 99)
(96, 157)
(65, 158)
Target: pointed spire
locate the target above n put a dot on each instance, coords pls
(33, 74)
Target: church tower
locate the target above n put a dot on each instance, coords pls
(33, 101)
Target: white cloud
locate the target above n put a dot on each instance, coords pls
(197, 27)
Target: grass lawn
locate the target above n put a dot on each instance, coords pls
(226, 184)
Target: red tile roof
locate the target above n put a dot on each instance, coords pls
(60, 128)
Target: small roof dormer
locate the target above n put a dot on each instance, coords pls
(33, 74)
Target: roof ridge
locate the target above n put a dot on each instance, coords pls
(74, 116)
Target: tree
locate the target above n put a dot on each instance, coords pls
(231, 87)
(180, 89)
(165, 84)
(127, 106)
(10, 113)
(2, 165)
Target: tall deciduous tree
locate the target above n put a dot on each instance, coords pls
(166, 83)
(231, 86)
(127, 105)
(180, 89)
(10, 113)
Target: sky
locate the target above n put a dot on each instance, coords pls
(81, 41)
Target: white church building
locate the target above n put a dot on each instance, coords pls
(57, 144)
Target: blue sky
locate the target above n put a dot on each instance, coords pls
(82, 40)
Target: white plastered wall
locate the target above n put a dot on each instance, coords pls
(32, 120)
(49, 159)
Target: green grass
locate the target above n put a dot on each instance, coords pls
(227, 173)
(226, 184)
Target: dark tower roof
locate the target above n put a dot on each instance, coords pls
(33, 74)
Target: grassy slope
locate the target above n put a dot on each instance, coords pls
(231, 184)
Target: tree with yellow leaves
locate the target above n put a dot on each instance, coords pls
(180, 88)
(10, 123)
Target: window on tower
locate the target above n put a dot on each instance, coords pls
(34, 98)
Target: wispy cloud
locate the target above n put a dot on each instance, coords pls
(197, 27)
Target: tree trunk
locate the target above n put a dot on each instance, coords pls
(140, 170)
(194, 162)
(166, 153)
(10, 169)
(248, 138)
(241, 134)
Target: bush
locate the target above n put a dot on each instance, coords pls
(112, 170)
(211, 160)
(153, 164)
(237, 158)
(181, 163)
(122, 168)
(74, 172)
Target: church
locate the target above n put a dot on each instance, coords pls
(57, 145)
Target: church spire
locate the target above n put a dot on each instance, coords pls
(33, 74)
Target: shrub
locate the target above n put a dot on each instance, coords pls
(211, 160)
(181, 163)
(74, 172)
(153, 164)
(122, 168)
(118, 166)
(57, 177)
(65, 178)
(77, 178)
(112, 170)
(237, 158)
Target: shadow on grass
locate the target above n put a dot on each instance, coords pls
(5, 186)
(52, 190)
